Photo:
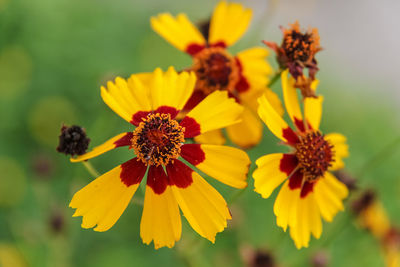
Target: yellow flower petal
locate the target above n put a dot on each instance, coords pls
(255, 67)
(291, 100)
(216, 111)
(329, 193)
(375, 219)
(212, 137)
(228, 23)
(125, 98)
(204, 208)
(285, 206)
(275, 102)
(228, 165)
(308, 221)
(340, 148)
(313, 110)
(268, 176)
(104, 200)
(274, 121)
(122, 139)
(178, 31)
(170, 88)
(248, 132)
(161, 220)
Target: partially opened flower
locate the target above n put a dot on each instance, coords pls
(151, 102)
(309, 191)
(244, 76)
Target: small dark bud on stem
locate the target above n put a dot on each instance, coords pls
(73, 140)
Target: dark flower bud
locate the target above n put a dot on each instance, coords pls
(363, 202)
(347, 179)
(263, 259)
(56, 222)
(73, 140)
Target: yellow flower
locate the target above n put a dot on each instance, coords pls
(244, 76)
(151, 102)
(372, 216)
(310, 191)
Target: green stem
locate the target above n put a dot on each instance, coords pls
(381, 155)
(138, 201)
(275, 78)
(236, 195)
(91, 169)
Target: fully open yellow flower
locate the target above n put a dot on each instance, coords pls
(244, 76)
(151, 102)
(309, 191)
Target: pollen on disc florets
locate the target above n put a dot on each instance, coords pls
(215, 70)
(315, 155)
(300, 47)
(158, 139)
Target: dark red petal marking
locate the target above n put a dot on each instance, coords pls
(132, 172)
(306, 189)
(124, 140)
(288, 163)
(193, 49)
(192, 127)
(167, 110)
(193, 153)
(296, 180)
(219, 44)
(242, 85)
(138, 116)
(157, 179)
(194, 100)
(290, 136)
(299, 124)
(179, 174)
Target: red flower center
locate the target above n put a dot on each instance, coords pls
(315, 155)
(158, 139)
(215, 70)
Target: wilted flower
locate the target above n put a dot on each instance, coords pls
(296, 53)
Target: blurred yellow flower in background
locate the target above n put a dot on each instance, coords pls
(244, 76)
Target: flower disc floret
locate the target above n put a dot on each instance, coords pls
(158, 139)
(215, 69)
(315, 155)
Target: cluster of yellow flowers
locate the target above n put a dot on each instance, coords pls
(178, 118)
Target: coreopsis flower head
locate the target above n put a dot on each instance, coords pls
(73, 140)
(296, 53)
(151, 103)
(371, 214)
(309, 191)
(244, 75)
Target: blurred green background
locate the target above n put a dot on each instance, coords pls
(55, 54)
